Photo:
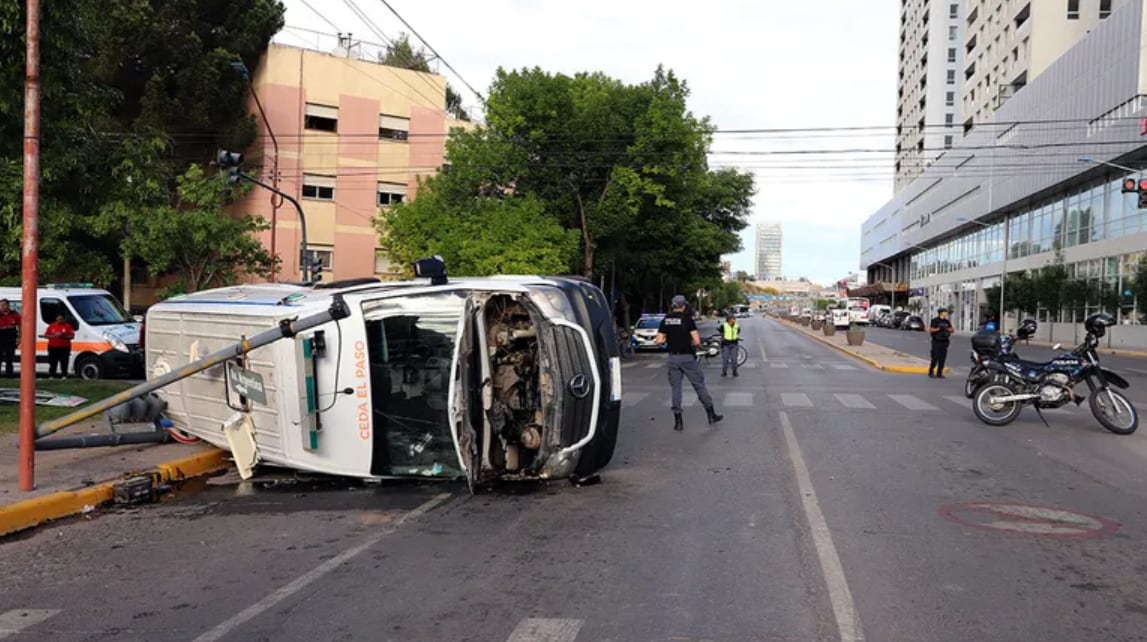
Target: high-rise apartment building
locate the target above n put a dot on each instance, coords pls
(928, 113)
(1007, 43)
(768, 262)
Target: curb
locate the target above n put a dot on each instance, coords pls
(33, 512)
(917, 370)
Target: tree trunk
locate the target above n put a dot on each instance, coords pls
(624, 305)
(587, 239)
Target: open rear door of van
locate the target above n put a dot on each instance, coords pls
(461, 424)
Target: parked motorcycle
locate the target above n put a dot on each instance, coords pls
(711, 348)
(989, 345)
(1014, 383)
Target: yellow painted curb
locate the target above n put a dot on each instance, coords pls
(33, 512)
(872, 362)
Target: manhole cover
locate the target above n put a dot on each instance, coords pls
(1028, 519)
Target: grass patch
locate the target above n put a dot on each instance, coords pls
(90, 390)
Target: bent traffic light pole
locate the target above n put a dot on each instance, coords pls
(304, 265)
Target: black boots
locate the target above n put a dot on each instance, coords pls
(713, 416)
(678, 422)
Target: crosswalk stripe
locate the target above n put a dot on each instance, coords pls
(959, 400)
(545, 630)
(912, 403)
(652, 366)
(814, 366)
(777, 364)
(739, 399)
(795, 399)
(687, 401)
(854, 401)
(844, 366)
(13, 622)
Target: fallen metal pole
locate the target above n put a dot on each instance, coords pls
(287, 329)
(99, 441)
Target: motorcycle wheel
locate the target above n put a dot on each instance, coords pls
(1100, 408)
(742, 355)
(1000, 414)
(975, 378)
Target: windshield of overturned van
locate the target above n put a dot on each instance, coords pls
(410, 348)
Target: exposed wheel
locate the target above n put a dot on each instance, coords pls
(995, 414)
(89, 367)
(1120, 417)
(975, 378)
(742, 355)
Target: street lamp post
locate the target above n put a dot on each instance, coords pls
(1004, 268)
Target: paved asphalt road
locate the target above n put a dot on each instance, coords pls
(831, 503)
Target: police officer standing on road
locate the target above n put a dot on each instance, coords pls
(730, 335)
(9, 335)
(941, 330)
(679, 333)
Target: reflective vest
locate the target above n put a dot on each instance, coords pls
(730, 332)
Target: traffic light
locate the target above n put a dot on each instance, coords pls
(1136, 186)
(1130, 185)
(231, 162)
(316, 267)
(1143, 199)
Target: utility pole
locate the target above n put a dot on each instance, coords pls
(29, 254)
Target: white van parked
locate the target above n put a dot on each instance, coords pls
(107, 339)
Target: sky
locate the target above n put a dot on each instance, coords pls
(798, 67)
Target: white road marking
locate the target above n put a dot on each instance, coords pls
(912, 403)
(545, 630)
(739, 399)
(814, 366)
(1136, 370)
(749, 366)
(686, 402)
(959, 400)
(761, 345)
(777, 364)
(301, 582)
(798, 399)
(634, 398)
(653, 366)
(847, 619)
(16, 621)
(854, 401)
(844, 366)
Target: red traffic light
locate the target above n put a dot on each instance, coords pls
(1143, 185)
(1130, 185)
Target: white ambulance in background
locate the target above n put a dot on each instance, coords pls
(106, 344)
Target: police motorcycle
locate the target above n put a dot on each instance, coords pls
(987, 345)
(1014, 383)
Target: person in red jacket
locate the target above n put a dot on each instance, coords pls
(59, 336)
(9, 335)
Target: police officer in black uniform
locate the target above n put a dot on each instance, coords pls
(679, 333)
(941, 330)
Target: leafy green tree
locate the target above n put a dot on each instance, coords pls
(1108, 296)
(1050, 285)
(133, 91)
(211, 247)
(1075, 294)
(1138, 285)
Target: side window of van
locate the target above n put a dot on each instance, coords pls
(50, 308)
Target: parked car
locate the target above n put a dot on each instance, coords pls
(645, 332)
(897, 319)
(913, 322)
(514, 377)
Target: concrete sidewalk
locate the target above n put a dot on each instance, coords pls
(77, 481)
(873, 354)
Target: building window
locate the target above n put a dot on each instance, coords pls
(1104, 8)
(950, 99)
(323, 255)
(951, 54)
(951, 76)
(953, 33)
(1073, 9)
(321, 117)
(947, 142)
(949, 120)
(393, 128)
(391, 194)
(953, 11)
(321, 188)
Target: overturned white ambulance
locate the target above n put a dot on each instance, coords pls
(497, 378)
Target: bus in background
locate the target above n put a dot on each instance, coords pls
(858, 310)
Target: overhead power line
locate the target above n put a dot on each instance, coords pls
(435, 52)
(321, 16)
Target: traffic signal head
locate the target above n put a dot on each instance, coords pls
(230, 162)
(1143, 199)
(1130, 185)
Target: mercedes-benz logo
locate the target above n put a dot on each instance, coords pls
(579, 386)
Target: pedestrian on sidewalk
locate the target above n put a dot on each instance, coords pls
(9, 336)
(941, 330)
(678, 332)
(730, 336)
(59, 335)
